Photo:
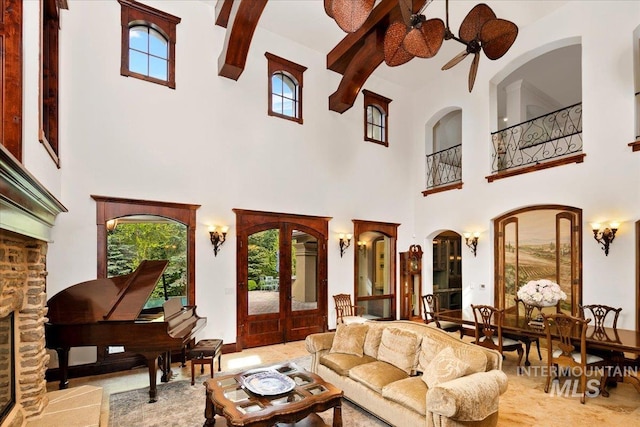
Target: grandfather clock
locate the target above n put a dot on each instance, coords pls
(411, 283)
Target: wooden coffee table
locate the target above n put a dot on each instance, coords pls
(229, 396)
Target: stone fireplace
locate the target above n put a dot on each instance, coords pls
(27, 214)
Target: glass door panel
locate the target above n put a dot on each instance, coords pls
(304, 271)
(263, 272)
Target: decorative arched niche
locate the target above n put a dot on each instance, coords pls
(539, 242)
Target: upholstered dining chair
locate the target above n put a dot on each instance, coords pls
(431, 304)
(605, 316)
(346, 312)
(488, 331)
(561, 331)
(525, 311)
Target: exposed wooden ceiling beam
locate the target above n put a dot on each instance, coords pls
(223, 10)
(242, 20)
(358, 54)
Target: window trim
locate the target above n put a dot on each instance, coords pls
(277, 64)
(112, 207)
(382, 103)
(49, 83)
(134, 14)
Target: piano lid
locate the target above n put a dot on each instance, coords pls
(115, 298)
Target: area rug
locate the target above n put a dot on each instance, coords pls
(523, 404)
(182, 405)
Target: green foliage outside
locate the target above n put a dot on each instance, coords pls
(253, 285)
(130, 243)
(263, 255)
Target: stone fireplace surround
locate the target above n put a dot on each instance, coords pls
(27, 214)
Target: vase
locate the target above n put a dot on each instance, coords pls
(539, 318)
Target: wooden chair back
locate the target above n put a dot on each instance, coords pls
(488, 324)
(430, 303)
(603, 316)
(527, 309)
(566, 329)
(344, 307)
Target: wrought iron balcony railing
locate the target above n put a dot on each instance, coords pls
(444, 167)
(544, 138)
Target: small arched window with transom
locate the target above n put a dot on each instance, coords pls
(376, 118)
(285, 88)
(148, 43)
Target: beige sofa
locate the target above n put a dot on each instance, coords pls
(384, 367)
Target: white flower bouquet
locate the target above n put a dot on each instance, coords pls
(541, 293)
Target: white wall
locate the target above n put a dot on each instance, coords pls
(606, 186)
(210, 142)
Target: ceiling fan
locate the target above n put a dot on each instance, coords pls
(417, 36)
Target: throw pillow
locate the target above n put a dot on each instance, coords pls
(349, 339)
(372, 341)
(432, 344)
(444, 367)
(399, 347)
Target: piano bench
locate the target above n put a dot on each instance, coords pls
(204, 353)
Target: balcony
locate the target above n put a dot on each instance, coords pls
(546, 141)
(444, 170)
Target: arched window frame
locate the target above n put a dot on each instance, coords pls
(135, 14)
(280, 66)
(381, 104)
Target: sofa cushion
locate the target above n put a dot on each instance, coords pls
(342, 363)
(399, 347)
(376, 375)
(410, 393)
(432, 344)
(445, 367)
(349, 339)
(372, 340)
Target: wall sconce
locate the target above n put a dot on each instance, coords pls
(606, 235)
(217, 237)
(111, 225)
(472, 242)
(345, 242)
(362, 246)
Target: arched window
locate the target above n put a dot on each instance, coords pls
(376, 118)
(148, 43)
(285, 88)
(148, 52)
(284, 95)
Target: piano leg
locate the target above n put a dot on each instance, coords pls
(166, 367)
(63, 366)
(153, 372)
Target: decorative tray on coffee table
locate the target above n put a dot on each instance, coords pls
(268, 383)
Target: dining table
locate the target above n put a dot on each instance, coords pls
(613, 339)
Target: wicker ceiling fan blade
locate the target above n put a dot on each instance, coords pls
(473, 71)
(456, 60)
(394, 53)
(425, 42)
(473, 22)
(351, 14)
(497, 36)
(327, 8)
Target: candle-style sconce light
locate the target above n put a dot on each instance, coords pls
(605, 235)
(345, 242)
(111, 225)
(218, 235)
(472, 242)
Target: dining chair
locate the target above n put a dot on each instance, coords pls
(527, 311)
(605, 328)
(431, 304)
(346, 312)
(561, 331)
(488, 331)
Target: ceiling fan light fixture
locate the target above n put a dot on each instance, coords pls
(350, 14)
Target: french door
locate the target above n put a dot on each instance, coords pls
(282, 277)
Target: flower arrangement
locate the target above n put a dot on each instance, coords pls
(541, 293)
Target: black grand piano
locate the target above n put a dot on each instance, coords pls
(108, 312)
